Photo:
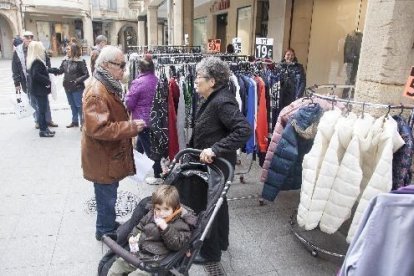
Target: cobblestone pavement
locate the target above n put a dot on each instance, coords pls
(47, 222)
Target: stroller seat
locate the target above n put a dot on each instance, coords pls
(191, 178)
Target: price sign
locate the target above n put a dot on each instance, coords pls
(409, 86)
(237, 45)
(213, 45)
(264, 47)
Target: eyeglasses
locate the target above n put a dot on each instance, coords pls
(121, 65)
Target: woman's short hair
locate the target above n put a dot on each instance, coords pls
(213, 67)
(166, 194)
(36, 50)
(146, 64)
(75, 50)
(108, 53)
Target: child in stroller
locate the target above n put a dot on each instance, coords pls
(190, 178)
(165, 228)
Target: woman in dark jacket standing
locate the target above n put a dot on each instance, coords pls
(219, 130)
(39, 83)
(75, 73)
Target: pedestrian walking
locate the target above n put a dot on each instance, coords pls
(74, 72)
(107, 155)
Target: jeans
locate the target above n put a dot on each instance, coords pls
(42, 104)
(105, 196)
(75, 102)
(33, 103)
(144, 145)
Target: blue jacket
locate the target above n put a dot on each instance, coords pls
(285, 171)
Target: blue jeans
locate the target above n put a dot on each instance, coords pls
(34, 104)
(75, 102)
(105, 196)
(42, 103)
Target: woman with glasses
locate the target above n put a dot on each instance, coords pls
(74, 72)
(219, 130)
(139, 102)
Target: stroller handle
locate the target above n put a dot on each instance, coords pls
(216, 160)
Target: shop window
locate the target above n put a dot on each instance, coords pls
(199, 32)
(262, 18)
(244, 17)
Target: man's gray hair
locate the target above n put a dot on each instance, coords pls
(108, 53)
(100, 38)
(215, 68)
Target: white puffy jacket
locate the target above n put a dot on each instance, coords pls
(385, 141)
(312, 161)
(346, 186)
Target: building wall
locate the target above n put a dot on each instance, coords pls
(9, 27)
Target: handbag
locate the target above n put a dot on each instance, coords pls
(22, 107)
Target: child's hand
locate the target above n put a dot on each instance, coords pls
(133, 244)
(133, 239)
(160, 222)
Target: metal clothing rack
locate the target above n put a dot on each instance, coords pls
(313, 247)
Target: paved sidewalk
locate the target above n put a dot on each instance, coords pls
(47, 227)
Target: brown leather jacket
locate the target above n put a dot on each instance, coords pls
(106, 144)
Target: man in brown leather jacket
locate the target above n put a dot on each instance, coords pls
(107, 155)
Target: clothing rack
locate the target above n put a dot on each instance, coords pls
(313, 247)
(164, 49)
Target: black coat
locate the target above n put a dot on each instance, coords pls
(39, 81)
(220, 125)
(75, 73)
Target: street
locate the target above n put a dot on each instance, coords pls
(47, 218)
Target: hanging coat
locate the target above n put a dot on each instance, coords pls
(285, 171)
(386, 140)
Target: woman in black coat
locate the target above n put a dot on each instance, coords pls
(219, 130)
(39, 83)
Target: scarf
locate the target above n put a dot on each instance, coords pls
(108, 81)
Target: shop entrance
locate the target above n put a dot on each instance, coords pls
(222, 30)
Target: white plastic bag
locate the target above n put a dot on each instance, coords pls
(53, 86)
(143, 165)
(22, 107)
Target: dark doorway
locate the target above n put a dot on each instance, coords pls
(222, 30)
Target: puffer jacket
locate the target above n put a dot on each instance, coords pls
(141, 95)
(346, 187)
(282, 120)
(106, 142)
(154, 241)
(285, 171)
(313, 160)
(385, 142)
(329, 168)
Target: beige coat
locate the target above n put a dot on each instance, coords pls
(107, 154)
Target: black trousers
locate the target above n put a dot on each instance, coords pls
(42, 103)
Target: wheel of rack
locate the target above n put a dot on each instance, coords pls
(313, 248)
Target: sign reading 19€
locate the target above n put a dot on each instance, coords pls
(264, 47)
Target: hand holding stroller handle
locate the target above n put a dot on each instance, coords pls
(216, 160)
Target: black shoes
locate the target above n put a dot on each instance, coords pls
(46, 134)
(72, 125)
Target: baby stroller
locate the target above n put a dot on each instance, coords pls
(192, 179)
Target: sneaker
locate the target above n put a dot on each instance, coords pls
(153, 181)
(52, 124)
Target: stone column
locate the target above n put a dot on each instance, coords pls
(188, 16)
(141, 39)
(178, 22)
(386, 52)
(152, 17)
(87, 30)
